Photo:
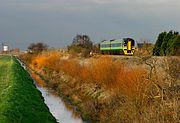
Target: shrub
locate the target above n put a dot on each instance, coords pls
(104, 71)
(48, 61)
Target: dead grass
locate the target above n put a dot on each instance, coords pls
(137, 94)
(104, 71)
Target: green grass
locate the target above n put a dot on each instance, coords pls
(20, 101)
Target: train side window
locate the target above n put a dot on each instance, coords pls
(105, 45)
(116, 45)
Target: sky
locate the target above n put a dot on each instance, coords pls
(56, 22)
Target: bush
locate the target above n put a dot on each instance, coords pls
(37, 47)
(78, 50)
(167, 44)
(81, 45)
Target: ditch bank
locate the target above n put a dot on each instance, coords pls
(61, 108)
(20, 101)
(83, 98)
(80, 103)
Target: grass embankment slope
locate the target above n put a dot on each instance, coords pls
(20, 101)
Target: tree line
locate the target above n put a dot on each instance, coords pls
(168, 43)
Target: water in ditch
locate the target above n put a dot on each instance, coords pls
(62, 111)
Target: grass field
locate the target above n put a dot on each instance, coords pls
(20, 101)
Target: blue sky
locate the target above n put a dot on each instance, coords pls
(56, 22)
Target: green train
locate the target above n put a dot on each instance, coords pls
(124, 46)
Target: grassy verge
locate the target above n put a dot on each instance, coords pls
(20, 101)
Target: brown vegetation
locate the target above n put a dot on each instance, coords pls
(111, 90)
(102, 71)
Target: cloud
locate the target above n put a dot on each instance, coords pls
(54, 20)
(90, 5)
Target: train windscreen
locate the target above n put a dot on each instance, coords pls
(129, 39)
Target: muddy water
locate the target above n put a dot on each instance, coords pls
(62, 111)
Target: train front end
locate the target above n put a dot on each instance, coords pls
(129, 46)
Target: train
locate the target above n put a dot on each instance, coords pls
(125, 46)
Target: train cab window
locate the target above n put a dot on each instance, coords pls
(125, 43)
(128, 39)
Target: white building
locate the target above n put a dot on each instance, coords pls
(5, 48)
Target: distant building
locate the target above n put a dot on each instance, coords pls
(5, 48)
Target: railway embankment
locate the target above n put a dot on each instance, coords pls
(107, 89)
(20, 101)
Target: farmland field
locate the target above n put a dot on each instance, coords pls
(20, 101)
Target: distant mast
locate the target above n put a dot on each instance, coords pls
(2, 47)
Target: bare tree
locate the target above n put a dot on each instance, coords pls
(37, 47)
(83, 41)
